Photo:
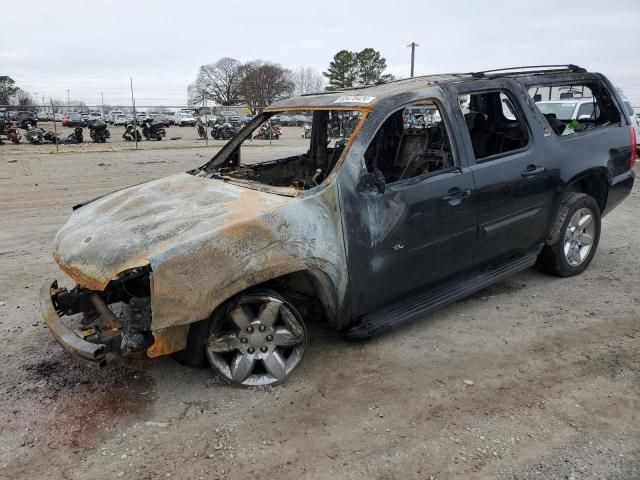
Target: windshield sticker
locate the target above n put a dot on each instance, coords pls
(355, 99)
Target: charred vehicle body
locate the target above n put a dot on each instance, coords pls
(431, 189)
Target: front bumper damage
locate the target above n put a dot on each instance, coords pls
(100, 325)
(72, 340)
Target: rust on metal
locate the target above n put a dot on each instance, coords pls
(168, 340)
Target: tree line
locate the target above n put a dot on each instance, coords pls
(256, 84)
(259, 83)
(11, 94)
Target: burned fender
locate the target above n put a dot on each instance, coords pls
(192, 279)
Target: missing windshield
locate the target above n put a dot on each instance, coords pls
(291, 149)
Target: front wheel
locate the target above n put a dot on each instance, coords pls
(574, 237)
(257, 339)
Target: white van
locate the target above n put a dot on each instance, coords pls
(113, 114)
(183, 118)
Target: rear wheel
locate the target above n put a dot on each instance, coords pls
(574, 237)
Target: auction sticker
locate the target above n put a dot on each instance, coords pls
(355, 99)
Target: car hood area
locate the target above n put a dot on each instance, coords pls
(124, 229)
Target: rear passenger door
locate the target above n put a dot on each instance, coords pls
(514, 186)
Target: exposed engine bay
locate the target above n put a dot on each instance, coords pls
(117, 319)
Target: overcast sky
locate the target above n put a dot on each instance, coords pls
(91, 47)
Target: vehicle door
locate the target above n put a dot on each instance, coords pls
(408, 220)
(513, 182)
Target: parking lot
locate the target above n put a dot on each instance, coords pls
(536, 377)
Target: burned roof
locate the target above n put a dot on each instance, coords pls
(366, 97)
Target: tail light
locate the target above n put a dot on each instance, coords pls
(634, 153)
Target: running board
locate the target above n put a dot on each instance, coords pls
(404, 312)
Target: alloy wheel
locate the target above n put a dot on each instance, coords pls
(579, 236)
(259, 341)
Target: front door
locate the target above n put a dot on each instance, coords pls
(415, 227)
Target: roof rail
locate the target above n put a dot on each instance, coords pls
(530, 69)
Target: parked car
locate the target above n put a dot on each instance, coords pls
(183, 119)
(43, 116)
(73, 119)
(166, 119)
(582, 109)
(24, 118)
(229, 116)
(95, 117)
(161, 119)
(229, 261)
(634, 119)
(113, 114)
(120, 119)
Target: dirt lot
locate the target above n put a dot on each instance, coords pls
(555, 366)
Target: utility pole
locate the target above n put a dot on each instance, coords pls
(35, 94)
(102, 104)
(68, 100)
(55, 128)
(413, 46)
(135, 118)
(204, 106)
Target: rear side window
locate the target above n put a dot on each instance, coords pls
(495, 126)
(577, 107)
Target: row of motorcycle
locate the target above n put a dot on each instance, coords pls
(225, 131)
(98, 132)
(219, 131)
(150, 131)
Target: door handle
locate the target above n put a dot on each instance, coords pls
(532, 170)
(455, 195)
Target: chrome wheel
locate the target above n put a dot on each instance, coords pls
(579, 236)
(259, 341)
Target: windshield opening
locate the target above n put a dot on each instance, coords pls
(293, 149)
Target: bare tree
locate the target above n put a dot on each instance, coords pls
(263, 83)
(307, 80)
(218, 81)
(25, 100)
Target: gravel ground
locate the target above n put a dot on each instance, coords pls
(534, 378)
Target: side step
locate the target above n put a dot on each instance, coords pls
(404, 312)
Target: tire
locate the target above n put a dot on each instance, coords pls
(568, 251)
(270, 342)
(194, 354)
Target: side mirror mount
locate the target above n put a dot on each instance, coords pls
(372, 182)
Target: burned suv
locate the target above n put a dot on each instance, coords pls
(406, 196)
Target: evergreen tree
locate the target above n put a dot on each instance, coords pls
(342, 71)
(350, 69)
(371, 66)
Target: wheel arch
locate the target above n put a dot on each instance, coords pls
(306, 288)
(593, 182)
